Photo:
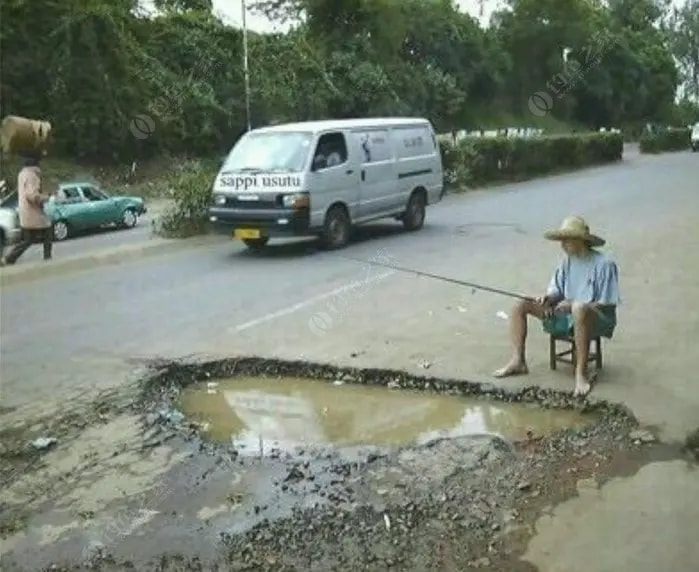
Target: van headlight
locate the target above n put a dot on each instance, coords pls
(219, 200)
(296, 200)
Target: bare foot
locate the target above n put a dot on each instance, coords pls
(512, 369)
(582, 385)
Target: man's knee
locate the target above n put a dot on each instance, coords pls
(520, 308)
(582, 315)
(525, 308)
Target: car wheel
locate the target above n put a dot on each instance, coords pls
(337, 228)
(256, 243)
(129, 218)
(414, 216)
(61, 230)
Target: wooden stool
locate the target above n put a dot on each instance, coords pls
(568, 356)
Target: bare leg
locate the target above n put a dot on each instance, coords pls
(583, 320)
(518, 337)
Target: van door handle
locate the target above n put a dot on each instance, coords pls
(350, 171)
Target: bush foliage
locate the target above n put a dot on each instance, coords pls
(191, 185)
(480, 161)
(671, 139)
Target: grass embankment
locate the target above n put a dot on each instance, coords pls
(149, 179)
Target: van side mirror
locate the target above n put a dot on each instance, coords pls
(319, 162)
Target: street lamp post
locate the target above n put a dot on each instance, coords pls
(246, 69)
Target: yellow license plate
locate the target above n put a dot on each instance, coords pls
(246, 233)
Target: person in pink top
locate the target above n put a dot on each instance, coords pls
(36, 226)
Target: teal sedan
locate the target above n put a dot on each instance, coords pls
(81, 206)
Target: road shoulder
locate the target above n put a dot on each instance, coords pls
(10, 275)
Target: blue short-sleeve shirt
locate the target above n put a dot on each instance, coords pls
(590, 279)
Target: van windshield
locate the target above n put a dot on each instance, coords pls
(278, 151)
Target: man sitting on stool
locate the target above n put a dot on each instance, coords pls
(582, 297)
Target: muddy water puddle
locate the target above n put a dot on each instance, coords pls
(288, 413)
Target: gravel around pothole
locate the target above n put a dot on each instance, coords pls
(467, 503)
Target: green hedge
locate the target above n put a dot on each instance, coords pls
(671, 139)
(479, 161)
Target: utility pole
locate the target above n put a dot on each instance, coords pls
(246, 69)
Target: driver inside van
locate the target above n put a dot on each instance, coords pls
(326, 157)
(333, 159)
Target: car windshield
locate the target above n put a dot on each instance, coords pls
(276, 151)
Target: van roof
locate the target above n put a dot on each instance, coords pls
(327, 124)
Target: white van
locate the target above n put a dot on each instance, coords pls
(322, 177)
(695, 137)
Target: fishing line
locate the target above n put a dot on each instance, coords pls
(442, 278)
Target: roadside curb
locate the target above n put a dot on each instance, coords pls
(11, 275)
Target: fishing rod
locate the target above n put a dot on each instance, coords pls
(443, 278)
(472, 285)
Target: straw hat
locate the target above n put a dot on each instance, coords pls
(574, 227)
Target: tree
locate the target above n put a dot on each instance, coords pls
(684, 36)
(184, 5)
(93, 67)
(535, 33)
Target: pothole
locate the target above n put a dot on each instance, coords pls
(264, 464)
(254, 414)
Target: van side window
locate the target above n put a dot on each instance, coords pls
(330, 152)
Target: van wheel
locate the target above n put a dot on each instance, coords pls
(256, 243)
(337, 228)
(414, 216)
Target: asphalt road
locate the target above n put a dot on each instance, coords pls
(92, 242)
(64, 336)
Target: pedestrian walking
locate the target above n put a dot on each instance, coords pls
(28, 139)
(35, 225)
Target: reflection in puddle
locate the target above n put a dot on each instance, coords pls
(289, 412)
